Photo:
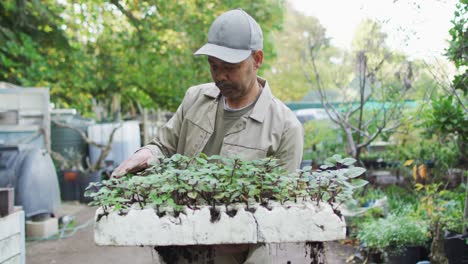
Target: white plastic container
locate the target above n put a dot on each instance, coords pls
(279, 224)
(126, 140)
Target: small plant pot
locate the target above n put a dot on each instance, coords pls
(370, 164)
(375, 258)
(84, 181)
(430, 164)
(69, 185)
(381, 164)
(456, 249)
(410, 255)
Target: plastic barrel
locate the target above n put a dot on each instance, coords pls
(32, 173)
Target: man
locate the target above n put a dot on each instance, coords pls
(236, 116)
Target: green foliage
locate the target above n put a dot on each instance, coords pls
(414, 215)
(286, 76)
(322, 140)
(394, 199)
(182, 181)
(460, 82)
(365, 199)
(34, 48)
(442, 207)
(457, 53)
(446, 127)
(138, 51)
(446, 117)
(393, 233)
(452, 218)
(401, 199)
(368, 195)
(438, 154)
(458, 47)
(419, 149)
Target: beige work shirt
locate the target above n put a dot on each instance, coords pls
(270, 129)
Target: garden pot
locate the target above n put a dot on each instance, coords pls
(456, 249)
(370, 164)
(375, 258)
(429, 163)
(381, 164)
(69, 185)
(84, 181)
(410, 255)
(286, 223)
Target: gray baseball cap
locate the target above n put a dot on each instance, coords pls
(232, 37)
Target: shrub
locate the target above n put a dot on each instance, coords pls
(393, 234)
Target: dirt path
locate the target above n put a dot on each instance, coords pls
(80, 247)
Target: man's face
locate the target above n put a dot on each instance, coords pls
(233, 80)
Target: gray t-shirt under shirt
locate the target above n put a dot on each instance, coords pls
(225, 119)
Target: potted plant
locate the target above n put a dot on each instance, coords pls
(444, 210)
(370, 160)
(454, 224)
(397, 238)
(76, 176)
(215, 200)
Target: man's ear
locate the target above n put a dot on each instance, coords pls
(258, 58)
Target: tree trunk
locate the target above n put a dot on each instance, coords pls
(351, 143)
(465, 215)
(437, 247)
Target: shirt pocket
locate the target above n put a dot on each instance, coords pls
(242, 151)
(194, 138)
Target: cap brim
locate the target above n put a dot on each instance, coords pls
(223, 53)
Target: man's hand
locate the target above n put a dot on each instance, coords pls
(137, 162)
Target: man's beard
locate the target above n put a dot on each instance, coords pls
(225, 85)
(226, 89)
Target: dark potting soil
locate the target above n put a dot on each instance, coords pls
(316, 251)
(215, 215)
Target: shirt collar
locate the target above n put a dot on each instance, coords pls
(263, 102)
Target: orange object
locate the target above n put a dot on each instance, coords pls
(70, 175)
(422, 171)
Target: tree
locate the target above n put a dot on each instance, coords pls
(458, 53)
(285, 74)
(130, 54)
(74, 160)
(446, 121)
(34, 46)
(373, 100)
